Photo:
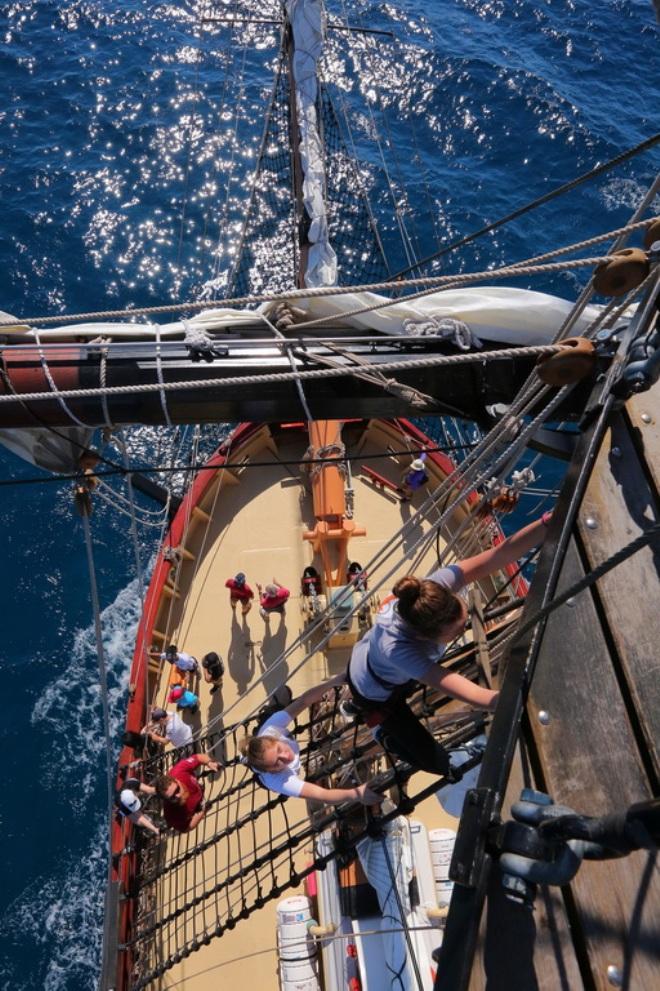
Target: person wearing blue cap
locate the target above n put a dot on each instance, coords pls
(239, 591)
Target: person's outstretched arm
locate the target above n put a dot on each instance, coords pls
(361, 793)
(145, 821)
(460, 688)
(313, 695)
(496, 558)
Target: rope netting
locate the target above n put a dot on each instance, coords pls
(266, 256)
(254, 845)
(352, 227)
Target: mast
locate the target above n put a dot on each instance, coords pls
(317, 262)
(301, 217)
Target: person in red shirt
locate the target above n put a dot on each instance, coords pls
(183, 794)
(272, 598)
(239, 591)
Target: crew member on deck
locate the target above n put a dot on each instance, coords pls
(272, 598)
(168, 727)
(239, 591)
(183, 794)
(410, 635)
(414, 477)
(186, 665)
(213, 670)
(184, 698)
(275, 756)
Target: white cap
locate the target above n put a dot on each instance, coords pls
(418, 465)
(130, 800)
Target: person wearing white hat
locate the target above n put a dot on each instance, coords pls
(414, 477)
(130, 806)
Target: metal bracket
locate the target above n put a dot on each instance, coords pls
(466, 862)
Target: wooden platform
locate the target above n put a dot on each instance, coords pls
(597, 750)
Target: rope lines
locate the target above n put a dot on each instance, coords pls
(239, 876)
(517, 268)
(558, 191)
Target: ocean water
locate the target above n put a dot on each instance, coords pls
(117, 133)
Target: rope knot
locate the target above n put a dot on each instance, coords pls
(456, 332)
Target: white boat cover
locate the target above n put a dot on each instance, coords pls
(374, 855)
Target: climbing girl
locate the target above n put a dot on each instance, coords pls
(275, 756)
(410, 635)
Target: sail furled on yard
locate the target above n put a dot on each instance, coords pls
(344, 246)
(307, 19)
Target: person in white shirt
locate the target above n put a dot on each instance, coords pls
(168, 727)
(275, 755)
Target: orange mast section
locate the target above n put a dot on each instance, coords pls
(333, 530)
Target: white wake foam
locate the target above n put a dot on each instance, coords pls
(70, 706)
(59, 920)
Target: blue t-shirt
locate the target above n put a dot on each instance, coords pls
(396, 651)
(416, 478)
(187, 701)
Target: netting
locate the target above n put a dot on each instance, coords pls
(266, 256)
(351, 223)
(253, 845)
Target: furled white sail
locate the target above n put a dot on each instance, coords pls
(491, 313)
(307, 23)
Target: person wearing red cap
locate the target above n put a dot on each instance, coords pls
(184, 698)
(183, 794)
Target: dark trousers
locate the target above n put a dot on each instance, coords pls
(403, 734)
(400, 732)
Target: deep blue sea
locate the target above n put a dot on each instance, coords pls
(117, 133)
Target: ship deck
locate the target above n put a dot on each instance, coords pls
(253, 521)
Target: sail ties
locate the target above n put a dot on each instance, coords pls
(448, 329)
(201, 346)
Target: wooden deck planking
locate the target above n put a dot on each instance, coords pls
(523, 949)
(619, 505)
(591, 762)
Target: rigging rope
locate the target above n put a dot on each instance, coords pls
(517, 268)
(103, 678)
(565, 188)
(243, 465)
